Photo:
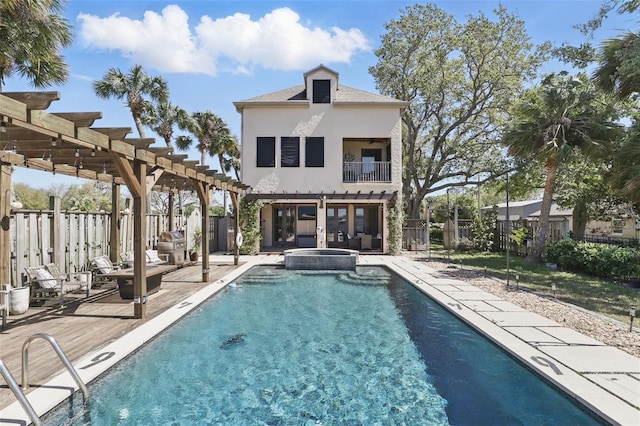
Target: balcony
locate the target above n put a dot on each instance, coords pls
(370, 171)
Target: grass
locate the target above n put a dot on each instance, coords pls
(607, 297)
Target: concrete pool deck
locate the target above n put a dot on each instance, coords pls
(603, 378)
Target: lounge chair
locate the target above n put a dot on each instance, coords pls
(152, 258)
(100, 266)
(47, 281)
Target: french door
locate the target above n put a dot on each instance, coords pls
(337, 222)
(284, 226)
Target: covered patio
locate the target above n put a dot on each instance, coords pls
(68, 143)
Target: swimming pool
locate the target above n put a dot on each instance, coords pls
(301, 347)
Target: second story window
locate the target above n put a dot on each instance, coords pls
(290, 151)
(266, 152)
(321, 91)
(314, 152)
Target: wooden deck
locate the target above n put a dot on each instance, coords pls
(87, 324)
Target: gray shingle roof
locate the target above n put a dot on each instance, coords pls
(344, 95)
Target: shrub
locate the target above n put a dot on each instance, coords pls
(464, 244)
(436, 234)
(600, 260)
(483, 232)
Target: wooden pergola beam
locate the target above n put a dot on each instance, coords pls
(34, 100)
(66, 143)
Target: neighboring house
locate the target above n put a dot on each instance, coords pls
(561, 221)
(326, 160)
(518, 210)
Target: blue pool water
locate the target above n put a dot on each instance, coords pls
(299, 348)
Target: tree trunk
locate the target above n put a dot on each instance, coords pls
(535, 256)
(139, 126)
(580, 217)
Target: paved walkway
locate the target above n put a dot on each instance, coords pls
(605, 379)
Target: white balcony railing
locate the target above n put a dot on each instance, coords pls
(376, 171)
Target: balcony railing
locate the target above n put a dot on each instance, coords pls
(377, 171)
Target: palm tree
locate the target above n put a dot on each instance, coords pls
(625, 172)
(163, 116)
(552, 120)
(618, 69)
(214, 139)
(133, 87)
(32, 34)
(618, 74)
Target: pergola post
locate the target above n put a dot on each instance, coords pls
(204, 196)
(139, 240)
(170, 211)
(116, 222)
(5, 220)
(55, 238)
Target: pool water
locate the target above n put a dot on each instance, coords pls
(319, 348)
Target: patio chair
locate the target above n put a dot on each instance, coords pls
(152, 258)
(100, 266)
(365, 242)
(47, 281)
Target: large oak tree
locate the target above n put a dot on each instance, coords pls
(459, 80)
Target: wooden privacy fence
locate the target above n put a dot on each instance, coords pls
(557, 231)
(83, 236)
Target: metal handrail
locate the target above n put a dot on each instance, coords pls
(61, 355)
(20, 396)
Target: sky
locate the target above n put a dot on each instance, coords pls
(213, 53)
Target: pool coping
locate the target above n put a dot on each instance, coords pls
(604, 379)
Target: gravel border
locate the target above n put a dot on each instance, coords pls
(604, 329)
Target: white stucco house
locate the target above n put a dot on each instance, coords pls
(326, 160)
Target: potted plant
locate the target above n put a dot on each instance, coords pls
(19, 298)
(196, 244)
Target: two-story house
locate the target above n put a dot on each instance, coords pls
(326, 160)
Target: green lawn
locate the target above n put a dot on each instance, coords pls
(606, 297)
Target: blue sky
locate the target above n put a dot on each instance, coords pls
(213, 53)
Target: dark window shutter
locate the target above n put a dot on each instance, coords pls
(314, 152)
(266, 152)
(290, 151)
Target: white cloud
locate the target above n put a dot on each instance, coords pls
(275, 41)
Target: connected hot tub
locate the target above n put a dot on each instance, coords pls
(321, 258)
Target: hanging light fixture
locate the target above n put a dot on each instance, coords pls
(54, 141)
(77, 154)
(3, 127)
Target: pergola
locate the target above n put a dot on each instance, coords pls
(68, 144)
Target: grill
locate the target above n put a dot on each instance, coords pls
(173, 244)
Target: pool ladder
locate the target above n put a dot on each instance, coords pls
(19, 393)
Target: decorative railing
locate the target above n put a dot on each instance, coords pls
(377, 171)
